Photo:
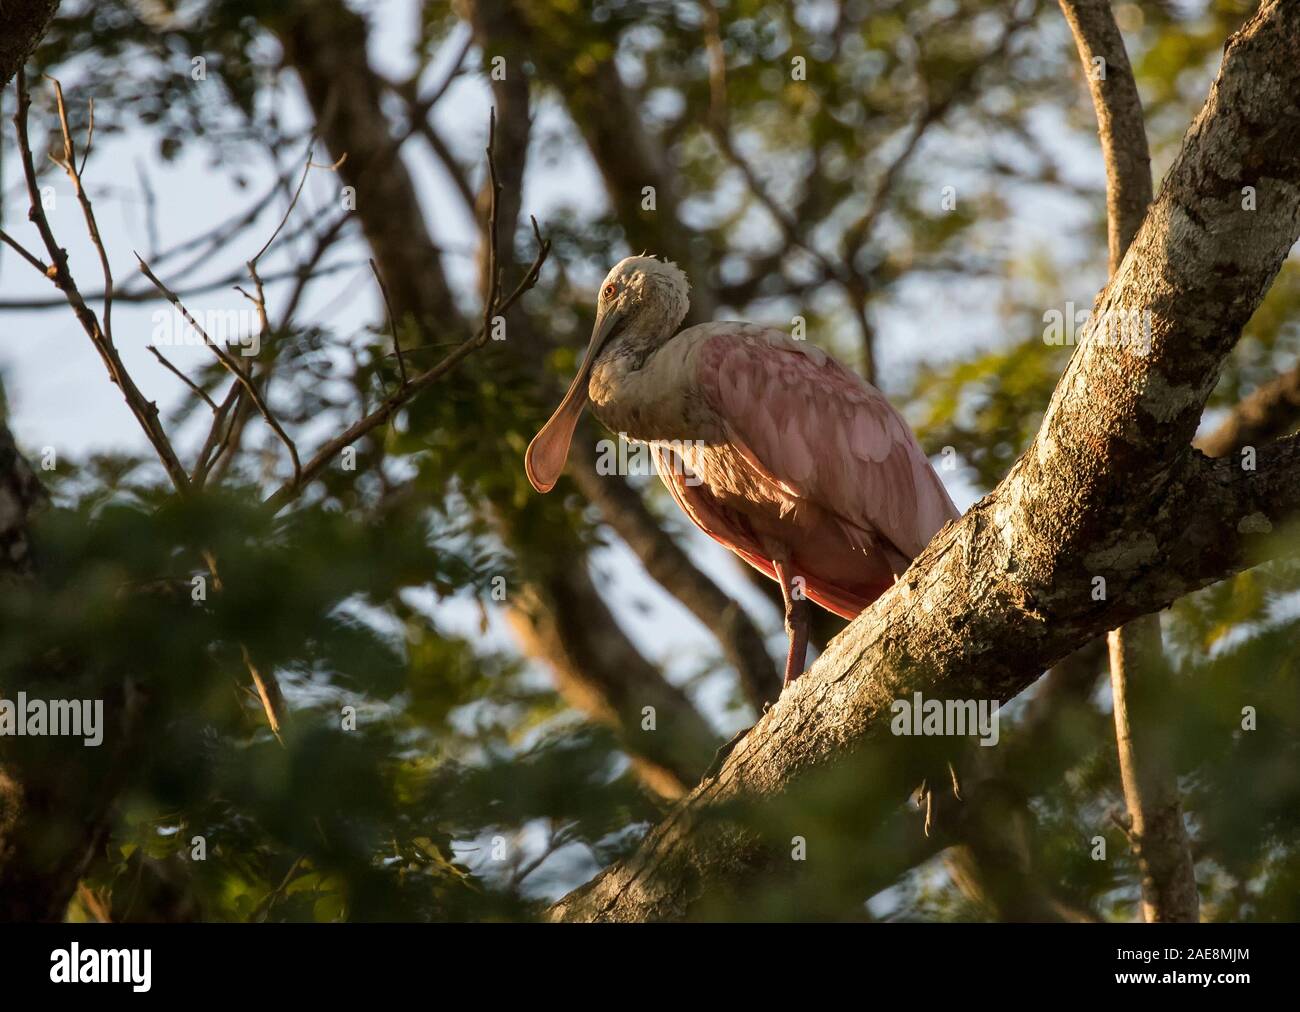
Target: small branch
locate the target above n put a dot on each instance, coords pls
(1120, 123)
(23, 252)
(291, 490)
(392, 323)
(1140, 685)
(225, 358)
(268, 691)
(145, 411)
(69, 165)
(302, 181)
(90, 134)
(217, 438)
(121, 294)
(183, 378)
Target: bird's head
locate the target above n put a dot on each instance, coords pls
(642, 301)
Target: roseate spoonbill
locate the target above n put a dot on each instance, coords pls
(770, 446)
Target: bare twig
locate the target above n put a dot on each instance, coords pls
(90, 134)
(228, 361)
(123, 294)
(217, 438)
(291, 490)
(294, 201)
(23, 251)
(268, 691)
(145, 411)
(263, 910)
(182, 377)
(307, 271)
(150, 210)
(392, 323)
(298, 193)
(69, 165)
(231, 431)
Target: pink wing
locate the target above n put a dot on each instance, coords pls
(733, 532)
(821, 432)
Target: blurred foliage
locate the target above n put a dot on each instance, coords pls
(426, 771)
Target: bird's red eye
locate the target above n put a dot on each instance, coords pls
(609, 291)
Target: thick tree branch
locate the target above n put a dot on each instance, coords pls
(1109, 488)
(325, 44)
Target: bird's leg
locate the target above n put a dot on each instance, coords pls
(796, 623)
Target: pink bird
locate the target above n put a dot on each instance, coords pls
(772, 448)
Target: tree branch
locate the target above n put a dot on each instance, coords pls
(144, 410)
(1120, 124)
(1140, 678)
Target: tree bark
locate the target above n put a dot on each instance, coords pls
(22, 26)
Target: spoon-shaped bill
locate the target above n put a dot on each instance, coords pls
(547, 453)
